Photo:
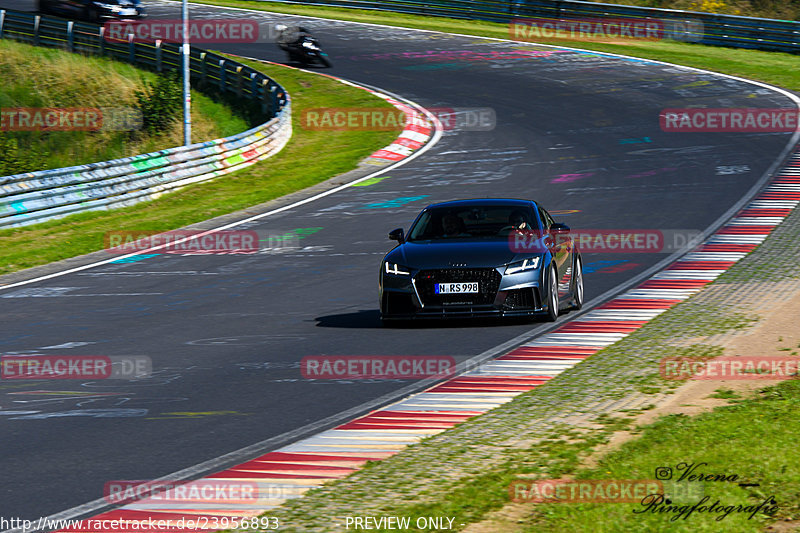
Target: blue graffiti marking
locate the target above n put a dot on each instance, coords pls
(397, 202)
(134, 258)
(635, 141)
(597, 265)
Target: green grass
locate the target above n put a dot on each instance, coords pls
(45, 77)
(774, 9)
(309, 158)
(770, 67)
(752, 439)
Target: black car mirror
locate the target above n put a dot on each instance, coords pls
(397, 235)
(558, 228)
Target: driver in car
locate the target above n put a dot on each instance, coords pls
(452, 226)
(518, 220)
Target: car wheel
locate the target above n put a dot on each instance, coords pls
(552, 294)
(577, 284)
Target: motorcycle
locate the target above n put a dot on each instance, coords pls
(308, 51)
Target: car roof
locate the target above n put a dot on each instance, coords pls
(483, 201)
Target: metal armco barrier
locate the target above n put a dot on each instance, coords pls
(38, 196)
(704, 28)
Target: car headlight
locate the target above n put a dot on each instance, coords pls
(520, 266)
(395, 269)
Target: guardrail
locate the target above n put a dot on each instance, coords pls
(37, 196)
(705, 28)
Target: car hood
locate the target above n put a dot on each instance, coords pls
(466, 254)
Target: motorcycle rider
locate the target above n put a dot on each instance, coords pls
(290, 38)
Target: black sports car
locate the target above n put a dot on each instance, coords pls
(94, 10)
(481, 257)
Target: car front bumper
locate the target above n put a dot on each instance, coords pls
(412, 297)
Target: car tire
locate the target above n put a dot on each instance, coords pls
(552, 294)
(577, 284)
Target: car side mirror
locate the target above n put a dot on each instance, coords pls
(397, 235)
(559, 229)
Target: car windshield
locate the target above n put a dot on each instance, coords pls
(484, 222)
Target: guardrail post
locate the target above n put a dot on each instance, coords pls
(203, 69)
(101, 40)
(274, 100)
(239, 80)
(222, 76)
(253, 86)
(266, 101)
(70, 36)
(131, 50)
(36, 21)
(2, 21)
(158, 55)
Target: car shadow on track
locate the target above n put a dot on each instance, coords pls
(371, 319)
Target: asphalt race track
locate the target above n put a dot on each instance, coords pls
(578, 132)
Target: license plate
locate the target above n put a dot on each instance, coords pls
(127, 12)
(468, 287)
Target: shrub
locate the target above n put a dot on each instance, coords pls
(14, 159)
(160, 103)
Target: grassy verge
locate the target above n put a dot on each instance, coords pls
(309, 158)
(44, 77)
(773, 9)
(749, 442)
(769, 67)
